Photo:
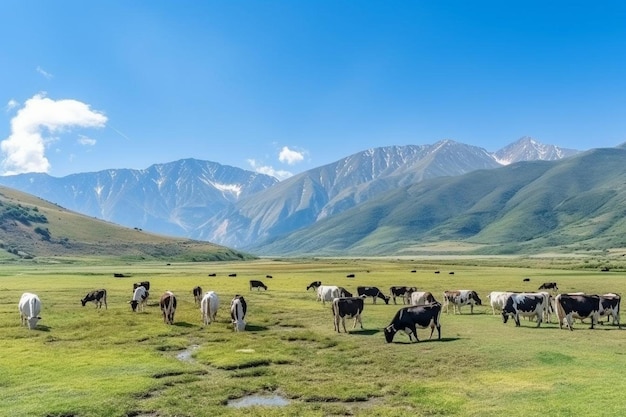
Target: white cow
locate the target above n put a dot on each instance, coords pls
(208, 306)
(327, 293)
(140, 298)
(498, 299)
(29, 307)
(420, 298)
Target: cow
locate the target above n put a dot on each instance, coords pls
(401, 291)
(212, 274)
(197, 294)
(350, 276)
(610, 307)
(350, 307)
(208, 307)
(344, 293)
(327, 293)
(97, 297)
(373, 292)
(257, 284)
(419, 298)
(525, 304)
(460, 298)
(232, 275)
(497, 299)
(168, 306)
(548, 286)
(314, 285)
(145, 284)
(577, 306)
(238, 310)
(269, 276)
(139, 300)
(29, 308)
(411, 318)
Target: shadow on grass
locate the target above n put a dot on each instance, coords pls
(422, 341)
(183, 324)
(364, 332)
(42, 328)
(254, 328)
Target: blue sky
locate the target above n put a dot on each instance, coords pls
(286, 86)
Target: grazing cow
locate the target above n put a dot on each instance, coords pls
(269, 276)
(350, 276)
(238, 310)
(212, 274)
(419, 298)
(257, 284)
(460, 298)
(401, 291)
(344, 293)
(208, 306)
(29, 308)
(350, 307)
(232, 275)
(168, 307)
(327, 293)
(548, 286)
(145, 284)
(197, 294)
(577, 306)
(140, 298)
(526, 280)
(411, 318)
(525, 304)
(314, 285)
(373, 292)
(610, 307)
(98, 297)
(497, 299)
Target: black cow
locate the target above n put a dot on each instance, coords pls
(350, 307)
(145, 284)
(350, 276)
(257, 284)
(526, 305)
(577, 306)
(98, 297)
(401, 291)
(410, 319)
(269, 276)
(212, 274)
(344, 293)
(197, 294)
(549, 286)
(373, 292)
(232, 275)
(314, 285)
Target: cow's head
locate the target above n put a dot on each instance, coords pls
(32, 322)
(505, 317)
(83, 301)
(390, 332)
(476, 298)
(239, 325)
(133, 304)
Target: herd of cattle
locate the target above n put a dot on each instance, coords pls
(422, 310)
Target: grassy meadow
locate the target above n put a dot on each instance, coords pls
(86, 362)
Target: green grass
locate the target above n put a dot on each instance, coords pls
(86, 362)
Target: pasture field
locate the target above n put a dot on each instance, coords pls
(81, 361)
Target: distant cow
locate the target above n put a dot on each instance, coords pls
(459, 298)
(350, 276)
(526, 305)
(548, 286)
(350, 307)
(327, 293)
(400, 291)
(212, 274)
(411, 318)
(168, 306)
(139, 300)
(526, 280)
(577, 306)
(197, 294)
(497, 299)
(373, 292)
(238, 310)
(344, 293)
(419, 298)
(145, 284)
(232, 275)
(314, 285)
(269, 276)
(257, 284)
(29, 308)
(97, 297)
(208, 307)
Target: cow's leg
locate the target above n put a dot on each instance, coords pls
(471, 308)
(414, 330)
(516, 318)
(343, 322)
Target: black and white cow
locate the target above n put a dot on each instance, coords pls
(498, 299)
(350, 307)
(373, 292)
(526, 305)
(460, 298)
(610, 307)
(139, 300)
(97, 297)
(548, 286)
(577, 306)
(411, 318)
(314, 285)
(197, 294)
(401, 291)
(419, 298)
(344, 293)
(168, 306)
(257, 284)
(238, 310)
(145, 284)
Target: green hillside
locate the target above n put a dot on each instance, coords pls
(31, 228)
(574, 204)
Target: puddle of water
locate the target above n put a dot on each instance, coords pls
(263, 400)
(185, 355)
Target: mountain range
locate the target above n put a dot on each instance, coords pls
(245, 210)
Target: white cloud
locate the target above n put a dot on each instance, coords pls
(11, 105)
(290, 156)
(25, 148)
(45, 73)
(87, 141)
(268, 170)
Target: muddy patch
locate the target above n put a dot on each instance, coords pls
(186, 355)
(259, 400)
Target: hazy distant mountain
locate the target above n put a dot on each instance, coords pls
(528, 149)
(242, 209)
